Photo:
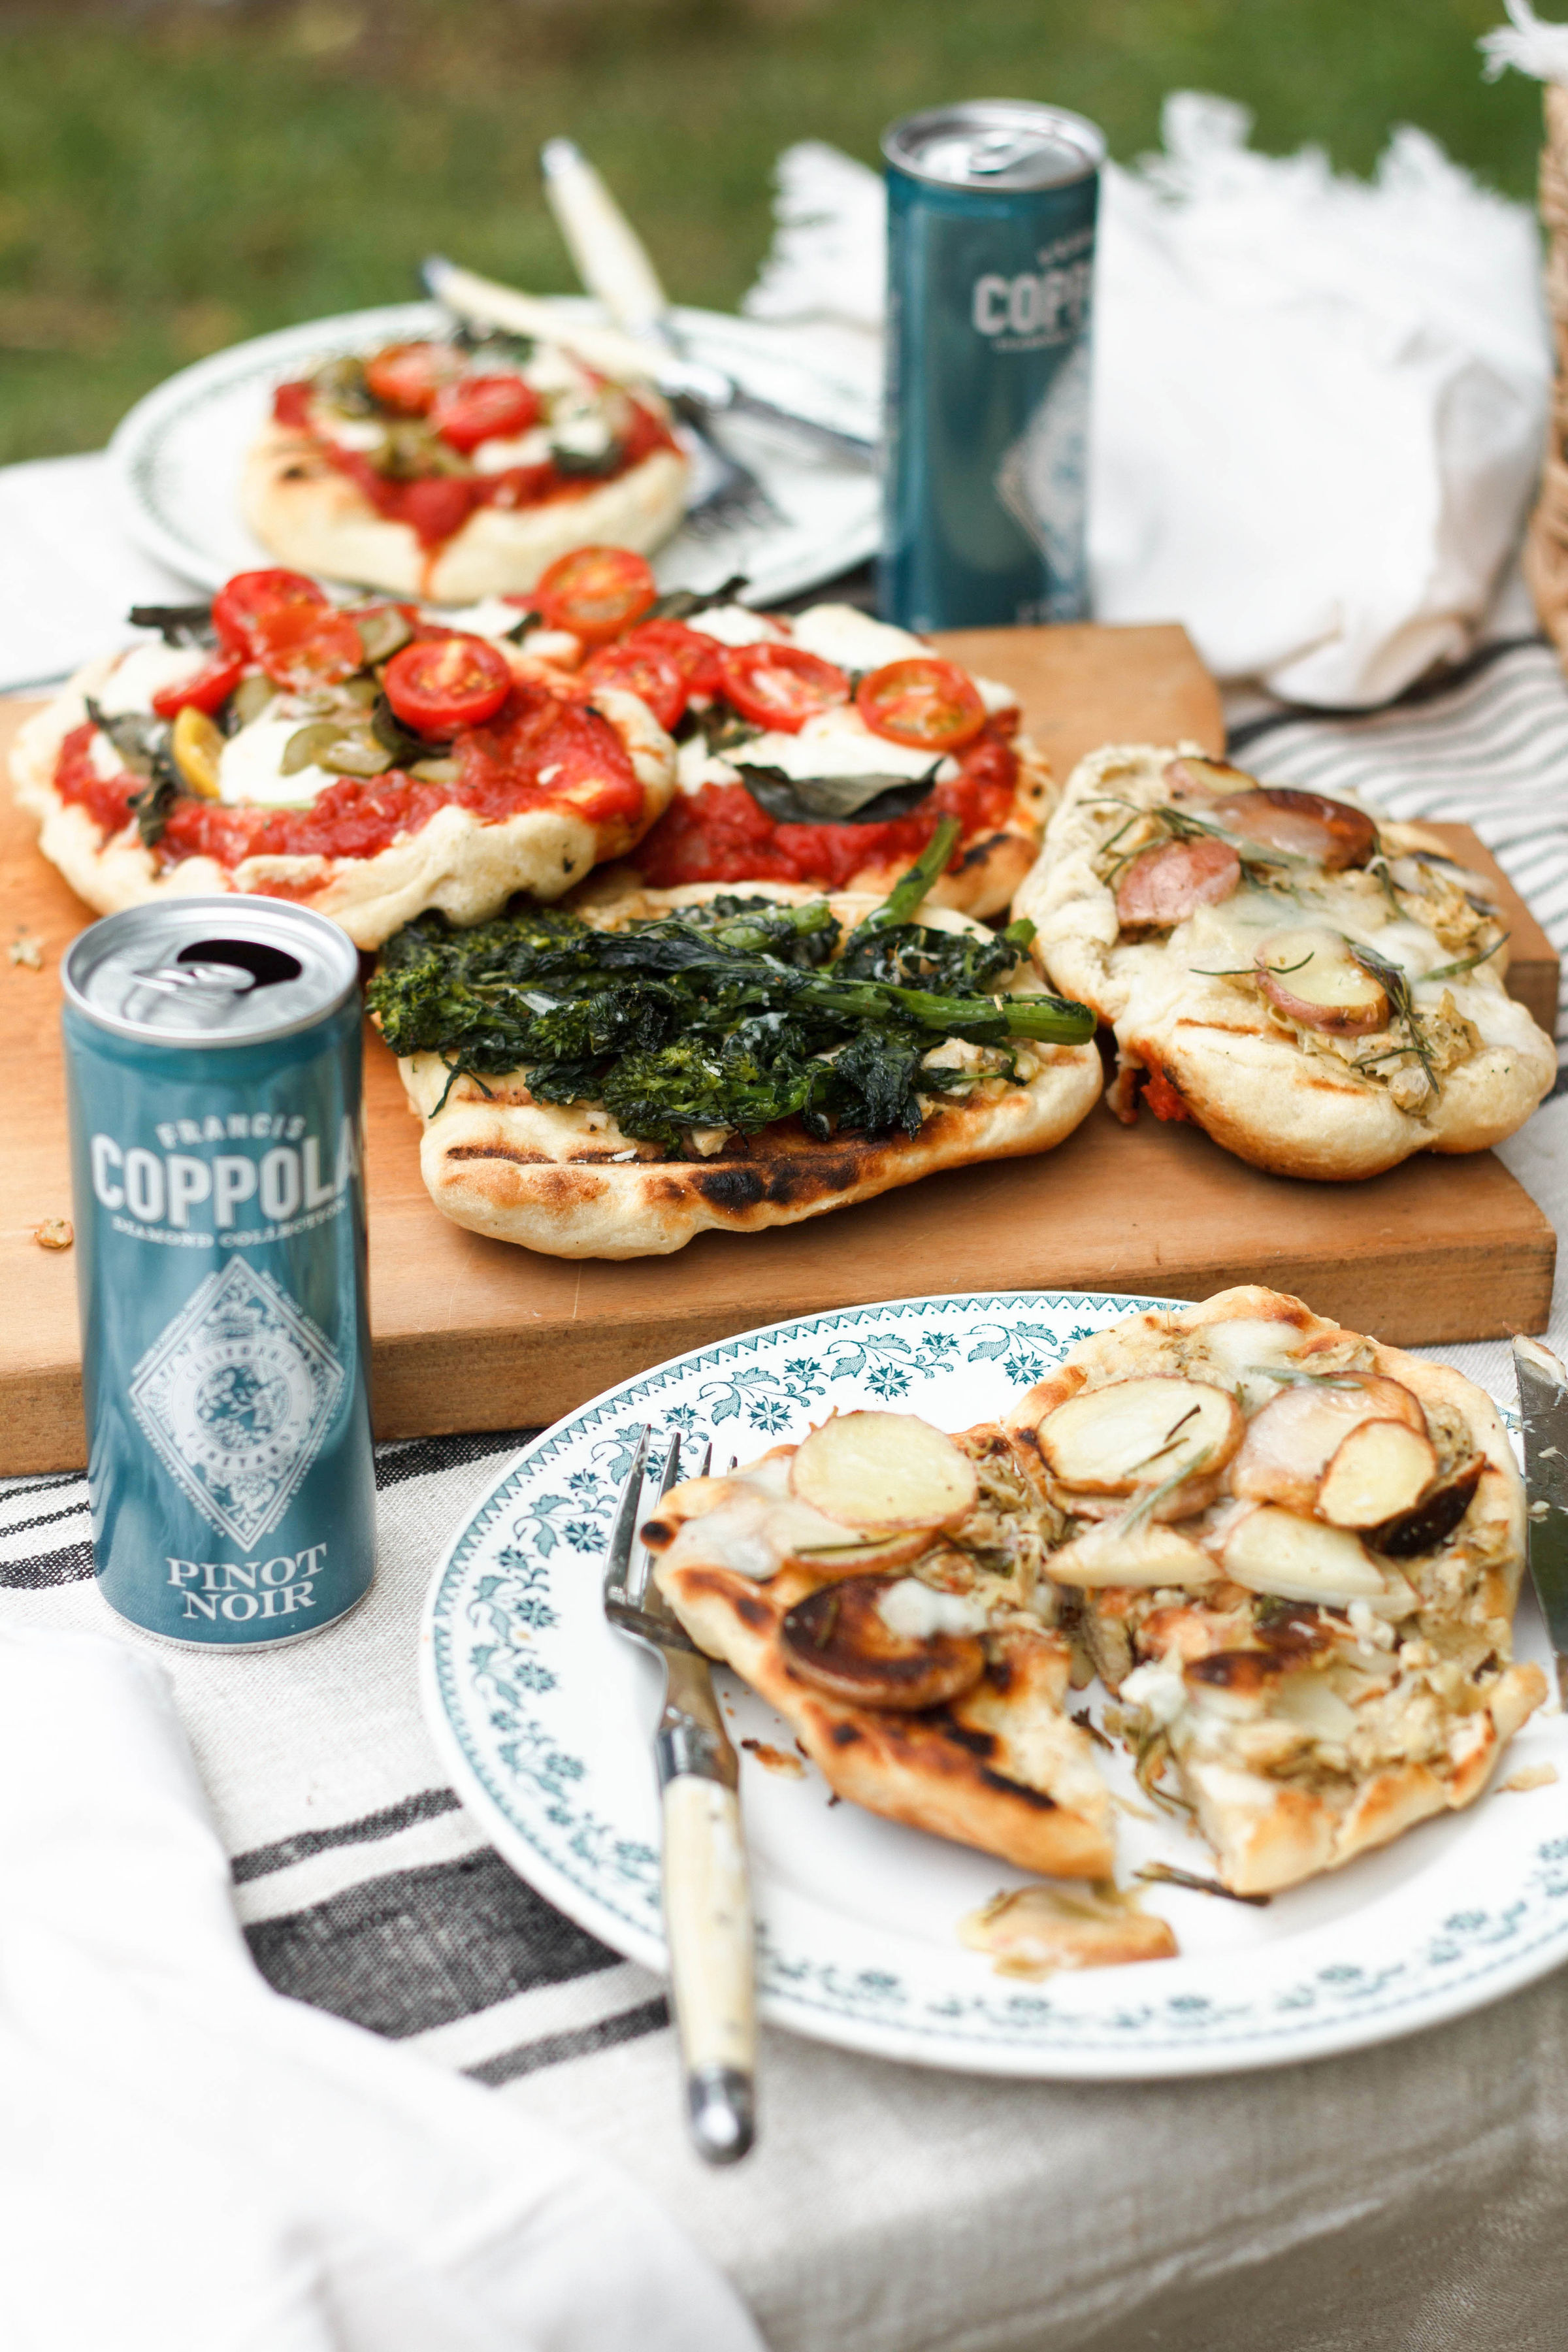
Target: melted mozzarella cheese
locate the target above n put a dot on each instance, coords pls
(144, 672)
(839, 743)
(492, 617)
(1158, 1689)
(838, 633)
(251, 767)
(349, 432)
(532, 448)
(994, 694)
(695, 766)
(915, 1612)
(732, 625)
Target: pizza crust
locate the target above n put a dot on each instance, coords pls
(458, 863)
(1246, 1078)
(310, 515)
(564, 1179)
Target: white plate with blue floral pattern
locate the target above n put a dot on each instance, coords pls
(546, 1716)
(179, 453)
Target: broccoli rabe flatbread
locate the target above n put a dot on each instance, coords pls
(609, 1082)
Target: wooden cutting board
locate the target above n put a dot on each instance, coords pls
(471, 1333)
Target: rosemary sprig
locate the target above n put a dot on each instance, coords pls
(1165, 1874)
(1468, 964)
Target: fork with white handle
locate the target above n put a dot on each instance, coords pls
(707, 1890)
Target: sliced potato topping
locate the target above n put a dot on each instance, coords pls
(1289, 1444)
(845, 1641)
(1304, 824)
(1379, 1472)
(884, 1472)
(1142, 1433)
(1271, 1551)
(1147, 1555)
(1310, 976)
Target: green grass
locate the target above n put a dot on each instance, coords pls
(178, 176)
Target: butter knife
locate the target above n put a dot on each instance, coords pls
(614, 265)
(1543, 1410)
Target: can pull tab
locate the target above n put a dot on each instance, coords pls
(173, 979)
(998, 150)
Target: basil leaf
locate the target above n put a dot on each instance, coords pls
(835, 799)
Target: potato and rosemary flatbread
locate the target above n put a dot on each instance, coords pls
(461, 469)
(368, 760)
(1291, 1554)
(611, 1081)
(1317, 987)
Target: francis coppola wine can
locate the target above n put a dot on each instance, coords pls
(213, 1053)
(991, 221)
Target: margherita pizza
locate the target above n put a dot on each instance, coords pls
(1291, 1554)
(460, 469)
(1319, 988)
(368, 761)
(826, 749)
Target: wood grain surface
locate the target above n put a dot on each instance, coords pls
(472, 1334)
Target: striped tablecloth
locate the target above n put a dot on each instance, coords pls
(887, 2209)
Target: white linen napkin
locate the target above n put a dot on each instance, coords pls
(1318, 404)
(189, 2163)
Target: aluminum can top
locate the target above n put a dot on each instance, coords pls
(995, 143)
(210, 971)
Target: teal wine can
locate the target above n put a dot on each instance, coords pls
(212, 1054)
(991, 224)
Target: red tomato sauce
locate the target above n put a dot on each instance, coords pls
(499, 775)
(436, 506)
(721, 834)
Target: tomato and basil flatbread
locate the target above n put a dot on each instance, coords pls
(455, 470)
(368, 761)
(824, 752)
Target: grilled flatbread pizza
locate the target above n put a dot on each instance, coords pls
(611, 1081)
(826, 749)
(1297, 1553)
(368, 760)
(460, 469)
(1290, 1553)
(937, 1698)
(1319, 988)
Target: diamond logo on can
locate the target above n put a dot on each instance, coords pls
(236, 1396)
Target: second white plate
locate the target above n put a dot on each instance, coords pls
(178, 455)
(544, 1717)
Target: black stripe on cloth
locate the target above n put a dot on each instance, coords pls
(421, 1456)
(43, 1518)
(553, 2048)
(43, 1486)
(68, 1566)
(1432, 689)
(422, 1806)
(418, 1947)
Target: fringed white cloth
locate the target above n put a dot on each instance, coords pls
(1318, 404)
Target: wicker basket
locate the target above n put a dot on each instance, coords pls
(1546, 545)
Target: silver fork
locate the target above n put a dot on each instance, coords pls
(707, 1892)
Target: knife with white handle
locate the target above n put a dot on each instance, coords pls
(1543, 1411)
(612, 264)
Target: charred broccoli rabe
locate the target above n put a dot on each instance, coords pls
(728, 1015)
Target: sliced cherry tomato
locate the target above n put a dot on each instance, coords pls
(407, 376)
(484, 408)
(291, 405)
(302, 649)
(930, 705)
(208, 689)
(595, 592)
(643, 670)
(249, 595)
(444, 683)
(780, 686)
(694, 655)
